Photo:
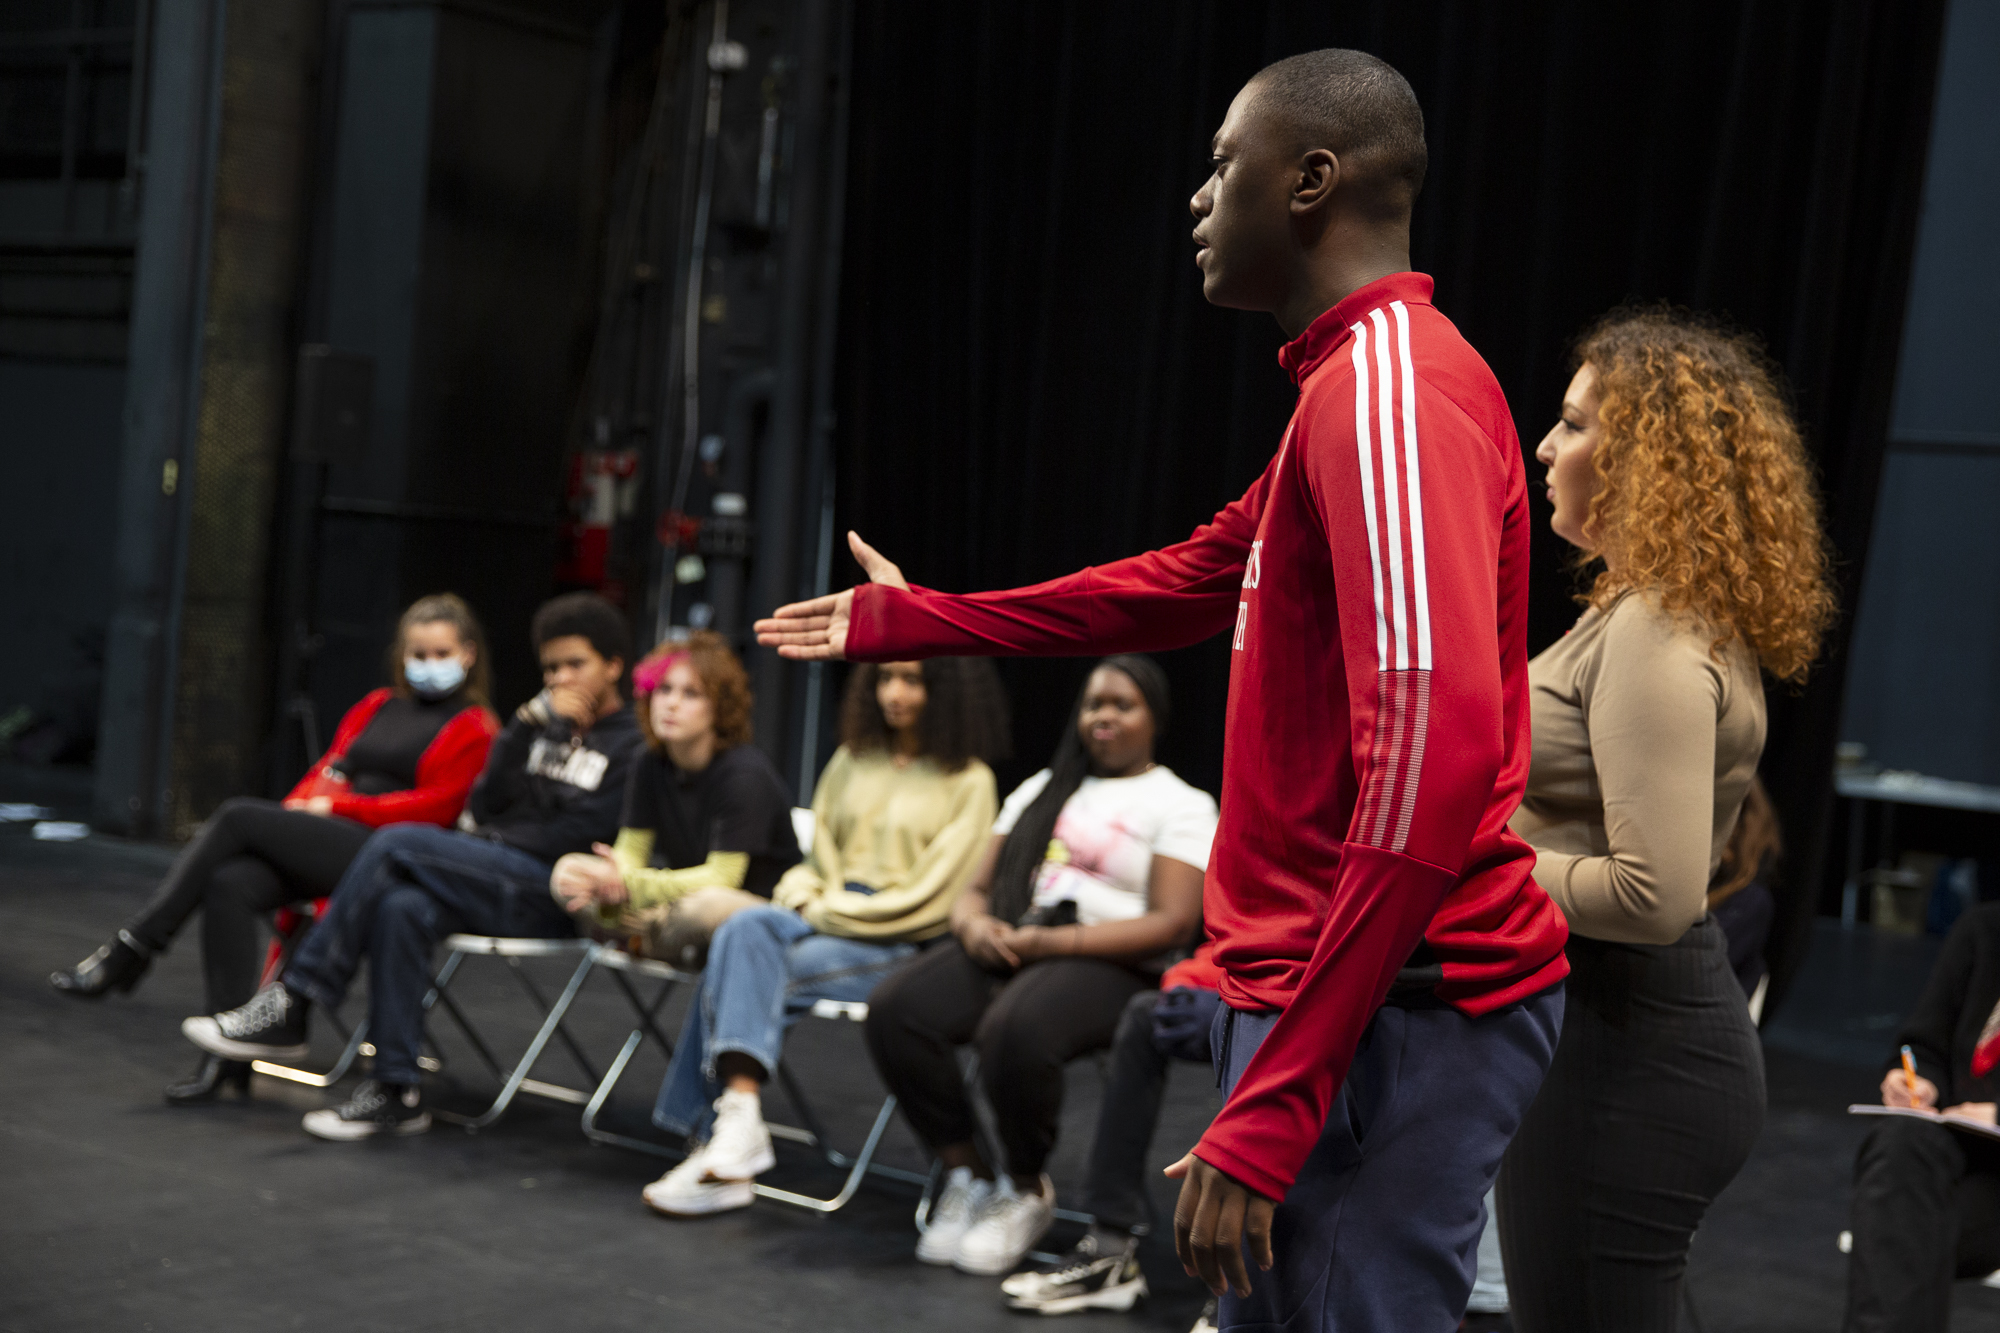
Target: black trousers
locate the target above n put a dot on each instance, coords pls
(1650, 1108)
(1926, 1211)
(250, 858)
(1027, 1027)
(1115, 1188)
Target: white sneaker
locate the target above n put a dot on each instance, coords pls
(688, 1191)
(739, 1147)
(1006, 1230)
(965, 1197)
(1206, 1323)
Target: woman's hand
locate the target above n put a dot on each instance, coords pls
(1031, 943)
(1896, 1092)
(1983, 1112)
(988, 941)
(610, 884)
(816, 630)
(584, 879)
(311, 805)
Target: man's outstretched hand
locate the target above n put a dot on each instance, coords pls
(1214, 1216)
(816, 630)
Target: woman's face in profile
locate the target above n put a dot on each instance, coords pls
(1115, 724)
(681, 709)
(1566, 452)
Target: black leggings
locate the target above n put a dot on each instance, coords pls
(250, 857)
(1027, 1027)
(1649, 1109)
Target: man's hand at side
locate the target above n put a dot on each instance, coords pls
(816, 630)
(1213, 1218)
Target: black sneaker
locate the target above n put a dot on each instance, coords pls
(375, 1109)
(271, 1027)
(1099, 1274)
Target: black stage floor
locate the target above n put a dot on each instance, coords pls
(124, 1213)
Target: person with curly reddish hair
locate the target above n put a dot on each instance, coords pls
(1677, 472)
(704, 808)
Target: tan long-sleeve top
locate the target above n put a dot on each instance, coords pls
(1644, 745)
(912, 834)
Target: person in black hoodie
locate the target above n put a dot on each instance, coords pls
(553, 784)
(1927, 1197)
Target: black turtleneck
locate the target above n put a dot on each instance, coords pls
(384, 756)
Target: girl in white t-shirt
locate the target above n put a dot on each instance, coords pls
(1090, 882)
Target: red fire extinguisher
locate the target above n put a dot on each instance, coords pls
(602, 491)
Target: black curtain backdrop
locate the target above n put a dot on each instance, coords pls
(1030, 380)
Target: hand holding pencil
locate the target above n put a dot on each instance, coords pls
(1905, 1087)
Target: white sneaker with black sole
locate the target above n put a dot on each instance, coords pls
(739, 1146)
(1007, 1229)
(1206, 1322)
(964, 1198)
(1098, 1274)
(272, 1026)
(690, 1191)
(376, 1110)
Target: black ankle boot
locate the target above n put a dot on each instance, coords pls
(210, 1077)
(117, 966)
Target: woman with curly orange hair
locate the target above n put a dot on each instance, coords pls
(704, 809)
(1678, 474)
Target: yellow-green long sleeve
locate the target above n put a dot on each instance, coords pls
(649, 886)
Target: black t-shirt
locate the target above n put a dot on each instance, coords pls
(737, 804)
(384, 757)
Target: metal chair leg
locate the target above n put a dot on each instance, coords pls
(516, 1080)
(355, 1041)
(603, 1095)
(863, 1162)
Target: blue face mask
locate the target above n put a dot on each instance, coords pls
(433, 679)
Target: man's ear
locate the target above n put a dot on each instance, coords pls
(1318, 178)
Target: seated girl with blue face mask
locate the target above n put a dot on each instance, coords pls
(407, 753)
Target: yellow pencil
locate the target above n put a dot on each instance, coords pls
(1910, 1073)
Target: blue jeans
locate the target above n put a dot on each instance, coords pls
(412, 885)
(1380, 1232)
(766, 966)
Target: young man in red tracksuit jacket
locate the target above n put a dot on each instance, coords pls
(1392, 973)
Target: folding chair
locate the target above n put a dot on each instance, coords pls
(516, 1080)
(623, 965)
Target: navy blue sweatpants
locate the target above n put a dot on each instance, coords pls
(1380, 1231)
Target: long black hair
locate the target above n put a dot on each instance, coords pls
(1028, 845)
(964, 717)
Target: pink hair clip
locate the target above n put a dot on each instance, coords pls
(646, 677)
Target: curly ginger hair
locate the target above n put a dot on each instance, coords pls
(1705, 496)
(722, 677)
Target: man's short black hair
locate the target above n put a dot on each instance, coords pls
(1357, 106)
(589, 616)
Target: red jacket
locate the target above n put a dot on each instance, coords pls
(450, 765)
(1374, 581)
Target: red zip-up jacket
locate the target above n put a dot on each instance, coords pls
(446, 770)
(1374, 582)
